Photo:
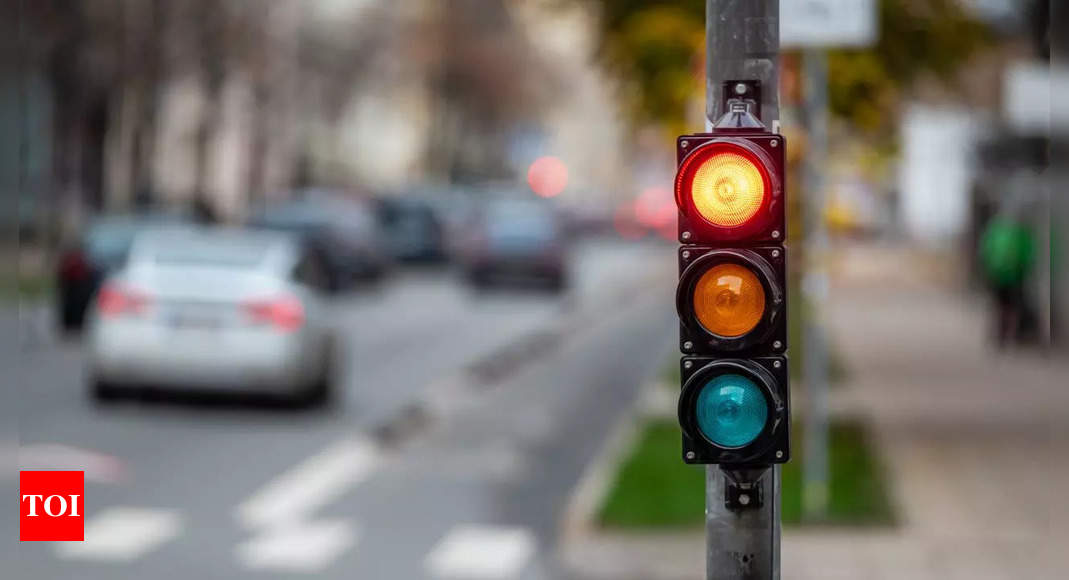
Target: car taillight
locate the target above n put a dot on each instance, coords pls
(73, 266)
(114, 300)
(285, 313)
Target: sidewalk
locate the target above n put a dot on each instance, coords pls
(974, 443)
(973, 440)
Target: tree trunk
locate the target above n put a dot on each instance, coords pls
(142, 175)
(258, 145)
(210, 26)
(203, 205)
(67, 108)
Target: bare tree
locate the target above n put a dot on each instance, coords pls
(486, 78)
(211, 19)
(146, 62)
(337, 60)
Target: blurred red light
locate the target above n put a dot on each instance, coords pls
(669, 230)
(650, 206)
(113, 301)
(656, 209)
(547, 176)
(285, 313)
(625, 223)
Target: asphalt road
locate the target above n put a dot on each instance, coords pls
(462, 423)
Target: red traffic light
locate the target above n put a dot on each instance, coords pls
(730, 188)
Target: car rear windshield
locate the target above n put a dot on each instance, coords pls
(521, 221)
(110, 242)
(228, 254)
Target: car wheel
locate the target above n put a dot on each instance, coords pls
(103, 391)
(320, 392)
(558, 283)
(376, 273)
(71, 318)
(336, 281)
(479, 278)
(317, 395)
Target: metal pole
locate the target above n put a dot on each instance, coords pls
(1057, 177)
(742, 43)
(815, 288)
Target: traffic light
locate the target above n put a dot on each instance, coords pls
(732, 296)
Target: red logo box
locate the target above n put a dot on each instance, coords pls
(51, 506)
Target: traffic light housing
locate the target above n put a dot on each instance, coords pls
(734, 405)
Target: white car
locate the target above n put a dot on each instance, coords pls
(210, 309)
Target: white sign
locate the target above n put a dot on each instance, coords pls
(827, 23)
(1027, 88)
(935, 171)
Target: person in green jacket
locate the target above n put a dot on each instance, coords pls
(1007, 256)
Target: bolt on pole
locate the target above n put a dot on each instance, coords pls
(742, 43)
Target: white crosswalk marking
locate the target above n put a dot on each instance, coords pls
(123, 534)
(98, 467)
(316, 482)
(289, 538)
(474, 552)
(301, 547)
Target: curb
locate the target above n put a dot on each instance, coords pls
(444, 398)
(586, 551)
(581, 511)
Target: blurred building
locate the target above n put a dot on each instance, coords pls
(945, 125)
(936, 171)
(236, 101)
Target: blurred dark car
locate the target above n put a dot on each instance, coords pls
(454, 207)
(414, 231)
(516, 240)
(101, 249)
(344, 232)
(588, 221)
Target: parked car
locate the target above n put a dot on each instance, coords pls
(345, 232)
(102, 248)
(453, 208)
(515, 240)
(414, 231)
(208, 309)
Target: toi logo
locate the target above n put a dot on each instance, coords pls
(51, 506)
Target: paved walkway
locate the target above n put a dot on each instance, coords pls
(976, 442)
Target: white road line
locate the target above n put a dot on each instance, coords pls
(474, 552)
(298, 493)
(304, 547)
(122, 534)
(97, 466)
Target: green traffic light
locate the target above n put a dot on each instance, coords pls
(732, 411)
